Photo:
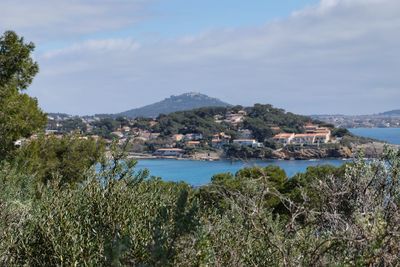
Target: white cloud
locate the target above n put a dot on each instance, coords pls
(340, 56)
(95, 46)
(44, 19)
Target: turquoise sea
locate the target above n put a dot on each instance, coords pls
(200, 172)
(390, 135)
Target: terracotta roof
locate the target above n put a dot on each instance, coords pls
(304, 135)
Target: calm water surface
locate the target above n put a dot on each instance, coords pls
(200, 172)
(390, 135)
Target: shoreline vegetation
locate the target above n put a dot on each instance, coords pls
(75, 200)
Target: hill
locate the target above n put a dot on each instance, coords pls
(182, 102)
(391, 113)
(259, 119)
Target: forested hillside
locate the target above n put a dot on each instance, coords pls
(259, 119)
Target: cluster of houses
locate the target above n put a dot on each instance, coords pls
(218, 141)
(178, 144)
(313, 135)
(231, 117)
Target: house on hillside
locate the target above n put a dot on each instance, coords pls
(218, 118)
(177, 137)
(322, 138)
(313, 135)
(220, 139)
(193, 137)
(284, 138)
(126, 129)
(193, 144)
(222, 136)
(310, 128)
(303, 139)
(235, 118)
(248, 142)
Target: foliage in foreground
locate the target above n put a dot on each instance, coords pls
(102, 222)
(258, 217)
(62, 158)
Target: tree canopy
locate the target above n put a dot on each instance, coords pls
(20, 115)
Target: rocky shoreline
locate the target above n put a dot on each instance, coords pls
(369, 150)
(312, 153)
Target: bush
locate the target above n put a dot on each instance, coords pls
(102, 222)
(63, 159)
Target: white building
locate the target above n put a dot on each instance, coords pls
(284, 138)
(303, 139)
(247, 142)
(314, 135)
(322, 138)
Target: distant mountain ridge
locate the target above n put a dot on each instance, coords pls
(174, 103)
(395, 112)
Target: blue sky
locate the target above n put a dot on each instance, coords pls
(177, 17)
(174, 18)
(307, 56)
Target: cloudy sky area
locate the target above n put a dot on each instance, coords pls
(307, 56)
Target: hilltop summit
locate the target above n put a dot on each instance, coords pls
(186, 101)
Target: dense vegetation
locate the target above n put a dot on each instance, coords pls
(256, 217)
(263, 117)
(63, 204)
(192, 121)
(260, 119)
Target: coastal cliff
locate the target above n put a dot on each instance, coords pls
(368, 150)
(313, 153)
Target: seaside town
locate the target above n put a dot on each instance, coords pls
(145, 142)
(384, 120)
